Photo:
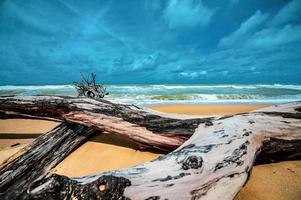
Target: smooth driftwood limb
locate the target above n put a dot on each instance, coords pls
(213, 164)
(149, 130)
(35, 160)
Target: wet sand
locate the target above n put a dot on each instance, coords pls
(104, 152)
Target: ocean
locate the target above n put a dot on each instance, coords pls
(175, 94)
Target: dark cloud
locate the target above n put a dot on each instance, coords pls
(150, 41)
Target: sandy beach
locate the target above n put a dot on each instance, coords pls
(104, 152)
(205, 110)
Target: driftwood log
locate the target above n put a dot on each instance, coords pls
(214, 163)
(147, 129)
(34, 161)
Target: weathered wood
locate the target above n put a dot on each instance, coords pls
(147, 129)
(89, 88)
(35, 160)
(275, 150)
(213, 164)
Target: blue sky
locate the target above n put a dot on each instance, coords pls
(149, 41)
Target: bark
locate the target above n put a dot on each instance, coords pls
(147, 129)
(213, 164)
(35, 160)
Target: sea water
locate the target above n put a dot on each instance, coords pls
(175, 94)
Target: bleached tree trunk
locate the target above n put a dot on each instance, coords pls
(214, 163)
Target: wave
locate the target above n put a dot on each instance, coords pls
(154, 87)
(37, 90)
(280, 86)
(172, 87)
(158, 94)
(201, 98)
(204, 97)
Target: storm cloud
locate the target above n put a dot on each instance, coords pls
(145, 41)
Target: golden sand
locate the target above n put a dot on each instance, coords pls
(100, 153)
(17, 133)
(18, 126)
(104, 152)
(278, 181)
(207, 109)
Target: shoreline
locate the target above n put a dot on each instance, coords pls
(171, 93)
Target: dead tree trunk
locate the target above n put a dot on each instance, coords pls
(146, 129)
(213, 164)
(35, 160)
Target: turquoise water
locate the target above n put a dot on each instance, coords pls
(170, 94)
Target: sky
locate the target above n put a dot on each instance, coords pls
(150, 41)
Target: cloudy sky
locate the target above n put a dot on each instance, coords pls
(149, 41)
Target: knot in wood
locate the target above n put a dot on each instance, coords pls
(112, 184)
(192, 162)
